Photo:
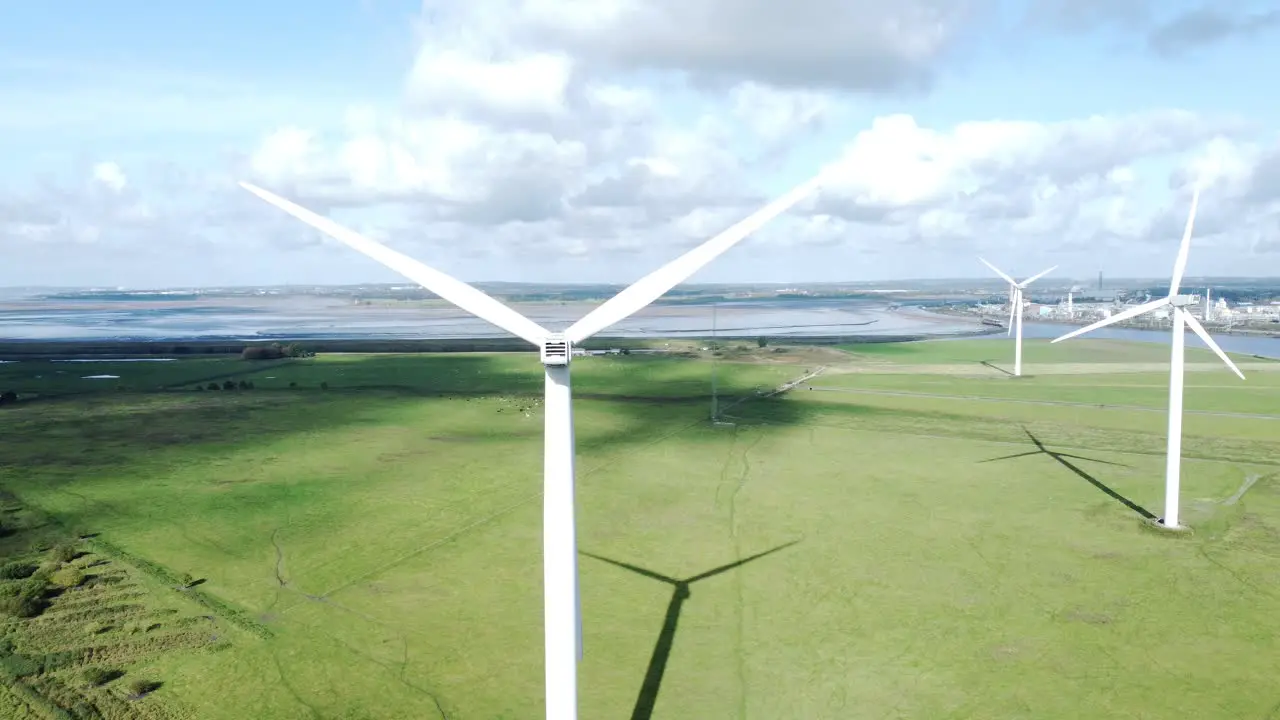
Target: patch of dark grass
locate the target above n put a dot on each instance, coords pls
(98, 676)
(142, 686)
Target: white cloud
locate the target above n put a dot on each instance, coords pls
(531, 84)
(110, 175)
(856, 44)
(618, 131)
(1063, 184)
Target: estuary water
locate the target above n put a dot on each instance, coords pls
(303, 317)
(318, 317)
(1244, 344)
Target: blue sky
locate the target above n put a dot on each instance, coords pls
(135, 77)
(198, 88)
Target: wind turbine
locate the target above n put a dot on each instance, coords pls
(1179, 320)
(561, 605)
(1015, 309)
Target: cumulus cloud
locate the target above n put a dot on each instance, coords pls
(624, 129)
(110, 175)
(1072, 183)
(850, 44)
(1208, 25)
(1167, 29)
(1068, 183)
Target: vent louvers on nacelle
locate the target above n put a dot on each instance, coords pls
(555, 351)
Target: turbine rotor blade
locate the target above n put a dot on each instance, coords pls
(1034, 278)
(656, 284)
(1118, 317)
(999, 272)
(455, 291)
(1180, 265)
(1198, 329)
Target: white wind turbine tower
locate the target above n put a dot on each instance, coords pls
(1015, 310)
(561, 605)
(1180, 318)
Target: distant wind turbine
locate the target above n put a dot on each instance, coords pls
(1015, 309)
(561, 605)
(1179, 320)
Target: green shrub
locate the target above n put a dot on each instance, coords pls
(142, 686)
(16, 571)
(211, 386)
(51, 662)
(98, 676)
(25, 598)
(18, 666)
(64, 552)
(22, 605)
(67, 577)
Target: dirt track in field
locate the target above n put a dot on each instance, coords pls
(978, 369)
(1030, 401)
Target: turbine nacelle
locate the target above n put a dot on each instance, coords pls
(1181, 301)
(556, 350)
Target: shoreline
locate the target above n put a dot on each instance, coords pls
(15, 350)
(1126, 325)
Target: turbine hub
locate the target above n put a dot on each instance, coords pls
(556, 350)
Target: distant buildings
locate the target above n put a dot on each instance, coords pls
(1215, 312)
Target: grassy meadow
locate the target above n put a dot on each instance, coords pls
(912, 533)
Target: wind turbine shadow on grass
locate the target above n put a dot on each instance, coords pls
(1061, 458)
(993, 366)
(680, 592)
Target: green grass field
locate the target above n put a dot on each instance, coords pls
(371, 548)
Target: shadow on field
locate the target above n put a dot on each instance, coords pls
(64, 442)
(993, 366)
(680, 592)
(248, 369)
(1061, 458)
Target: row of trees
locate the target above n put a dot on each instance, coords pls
(275, 351)
(228, 385)
(244, 385)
